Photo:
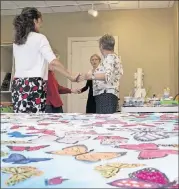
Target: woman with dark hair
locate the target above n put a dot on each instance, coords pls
(33, 57)
(91, 104)
(106, 77)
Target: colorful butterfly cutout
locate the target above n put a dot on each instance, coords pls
(4, 154)
(20, 159)
(81, 153)
(44, 138)
(27, 148)
(146, 136)
(111, 169)
(41, 131)
(54, 181)
(5, 142)
(89, 132)
(145, 178)
(20, 174)
(169, 145)
(149, 150)
(19, 135)
(71, 139)
(111, 140)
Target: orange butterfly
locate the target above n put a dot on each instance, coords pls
(81, 153)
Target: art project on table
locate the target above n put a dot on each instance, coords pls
(89, 151)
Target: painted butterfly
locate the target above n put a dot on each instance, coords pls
(149, 150)
(20, 174)
(145, 178)
(81, 153)
(27, 148)
(111, 169)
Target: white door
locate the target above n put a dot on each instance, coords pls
(81, 52)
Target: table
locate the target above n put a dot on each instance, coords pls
(173, 109)
(89, 151)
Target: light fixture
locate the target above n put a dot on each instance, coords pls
(93, 12)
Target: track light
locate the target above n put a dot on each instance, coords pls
(93, 12)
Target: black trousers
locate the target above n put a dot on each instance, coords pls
(106, 103)
(52, 109)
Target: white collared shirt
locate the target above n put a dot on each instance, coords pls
(33, 57)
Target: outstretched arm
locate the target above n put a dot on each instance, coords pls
(85, 88)
(63, 90)
(54, 63)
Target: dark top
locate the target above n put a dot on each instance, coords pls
(89, 85)
(91, 104)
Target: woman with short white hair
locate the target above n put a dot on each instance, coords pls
(106, 77)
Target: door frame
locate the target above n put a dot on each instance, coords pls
(69, 58)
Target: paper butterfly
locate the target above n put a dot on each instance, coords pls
(110, 170)
(111, 140)
(41, 131)
(3, 154)
(146, 136)
(145, 178)
(149, 150)
(19, 135)
(14, 142)
(20, 159)
(3, 131)
(72, 139)
(169, 145)
(20, 174)
(27, 148)
(43, 139)
(81, 153)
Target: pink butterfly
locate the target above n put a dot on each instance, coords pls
(169, 117)
(148, 150)
(145, 178)
(42, 131)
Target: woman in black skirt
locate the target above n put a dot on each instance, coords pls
(91, 103)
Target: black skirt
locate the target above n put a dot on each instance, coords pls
(106, 103)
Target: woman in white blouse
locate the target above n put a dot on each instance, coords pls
(106, 77)
(33, 57)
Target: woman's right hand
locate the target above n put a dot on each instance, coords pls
(80, 77)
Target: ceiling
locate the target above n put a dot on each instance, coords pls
(15, 7)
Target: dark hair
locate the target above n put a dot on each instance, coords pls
(107, 42)
(24, 24)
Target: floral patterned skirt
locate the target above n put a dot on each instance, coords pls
(29, 95)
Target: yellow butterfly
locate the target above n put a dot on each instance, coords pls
(110, 170)
(20, 174)
(81, 153)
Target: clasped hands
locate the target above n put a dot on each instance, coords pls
(81, 77)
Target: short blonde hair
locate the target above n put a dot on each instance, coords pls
(96, 56)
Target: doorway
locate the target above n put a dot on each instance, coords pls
(80, 50)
